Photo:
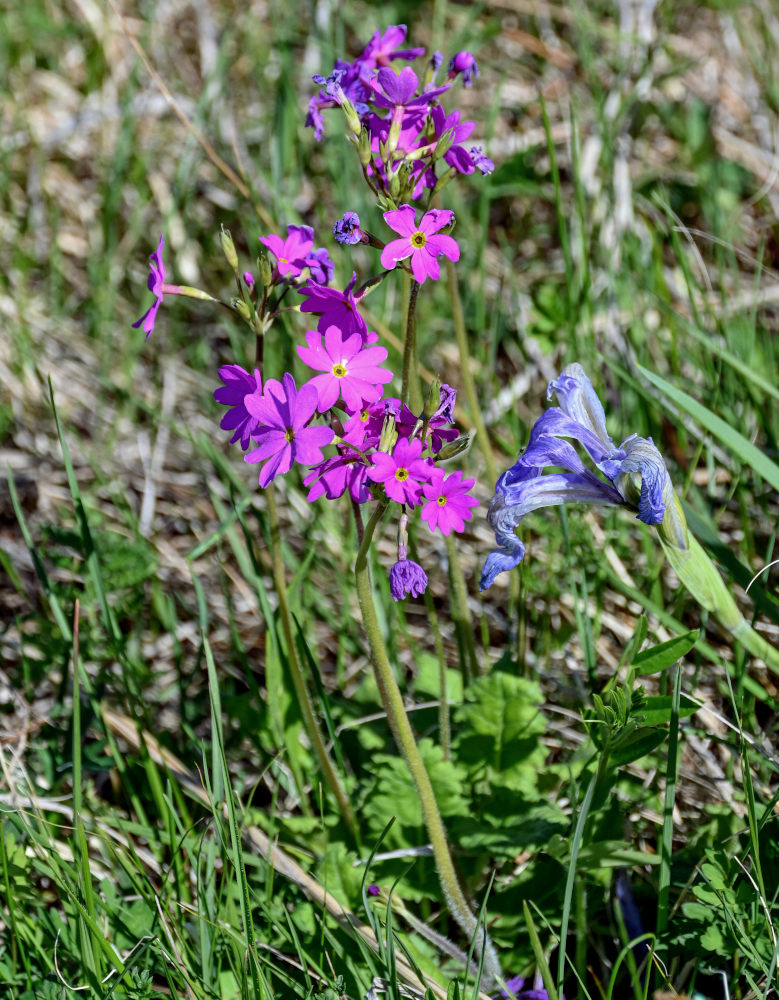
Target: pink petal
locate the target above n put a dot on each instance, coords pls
(445, 245)
(402, 220)
(394, 251)
(276, 466)
(423, 264)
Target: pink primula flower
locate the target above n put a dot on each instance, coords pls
(419, 242)
(283, 437)
(449, 504)
(350, 370)
(292, 252)
(403, 472)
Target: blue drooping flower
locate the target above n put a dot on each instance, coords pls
(633, 475)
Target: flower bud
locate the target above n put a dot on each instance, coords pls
(241, 308)
(228, 248)
(264, 269)
(394, 186)
(443, 145)
(433, 398)
(364, 146)
(352, 118)
(389, 434)
(454, 448)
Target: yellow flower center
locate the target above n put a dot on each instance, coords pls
(401, 474)
(339, 370)
(441, 501)
(418, 240)
(364, 415)
(289, 435)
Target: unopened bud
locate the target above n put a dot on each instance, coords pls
(352, 118)
(389, 434)
(454, 448)
(443, 145)
(228, 248)
(264, 270)
(241, 308)
(394, 186)
(364, 146)
(433, 399)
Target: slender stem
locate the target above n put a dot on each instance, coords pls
(410, 392)
(466, 375)
(443, 704)
(301, 690)
(404, 737)
(460, 613)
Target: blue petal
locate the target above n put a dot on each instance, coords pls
(642, 457)
(579, 401)
(558, 423)
(520, 491)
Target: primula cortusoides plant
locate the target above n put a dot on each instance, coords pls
(632, 475)
(337, 420)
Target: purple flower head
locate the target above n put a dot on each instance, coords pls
(463, 63)
(403, 472)
(350, 369)
(449, 504)
(238, 384)
(347, 229)
(363, 427)
(334, 308)
(345, 82)
(399, 90)
(284, 436)
(382, 48)
(292, 252)
(248, 278)
(321, 267)
(435, 60)
(633, 474)
(407, 577)
(456, 156)
(419, 242)
(155, 284)
(373, 890)
(335, 475)
(481, 161)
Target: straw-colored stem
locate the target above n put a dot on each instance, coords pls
(404, 737)
(301, 689)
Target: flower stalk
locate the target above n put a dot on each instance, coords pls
(392, 700)
(298, 680)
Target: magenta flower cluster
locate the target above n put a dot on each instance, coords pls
(403, 121)
(280, 424)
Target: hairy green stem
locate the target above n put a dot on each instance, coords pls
(443, 703)
(462, 618)
(410, 393)
(404, 737)
(301, 689)
(466, 375)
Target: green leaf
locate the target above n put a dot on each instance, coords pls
(665, 654)
(638, 744)
(656, 710)
(498, 730)
(741, 447)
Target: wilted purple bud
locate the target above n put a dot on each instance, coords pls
(436, 59)
(373, 890)
(321, 266)
(463, 63)
(248, 278)
(481, 161)
(407, 577)
(347, 230)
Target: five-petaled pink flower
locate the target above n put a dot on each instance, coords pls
(403, 472)
(291, 254)
(419, 242)
(350, 369)
(449, 504)
(283, 411)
